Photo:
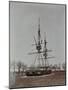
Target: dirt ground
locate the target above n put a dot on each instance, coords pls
(55, 78)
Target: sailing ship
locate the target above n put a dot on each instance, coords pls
(42, 56)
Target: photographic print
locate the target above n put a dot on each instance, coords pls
(37, 44)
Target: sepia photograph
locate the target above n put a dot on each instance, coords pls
(37, 43)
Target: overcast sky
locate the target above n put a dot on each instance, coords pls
(24, 25)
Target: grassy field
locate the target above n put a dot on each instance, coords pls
(55, 78)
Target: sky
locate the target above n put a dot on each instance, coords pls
(24, 19)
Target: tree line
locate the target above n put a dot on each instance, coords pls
(22, 67)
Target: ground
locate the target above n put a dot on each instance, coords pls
(55, 78)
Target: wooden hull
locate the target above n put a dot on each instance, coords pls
(38, 72)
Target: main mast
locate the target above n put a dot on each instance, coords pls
(45, 51)
(38, 46)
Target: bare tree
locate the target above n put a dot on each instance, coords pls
(55, 67)
(23, 67)
(19, 64)
(59, 66)
(51, 66)
(63, 66)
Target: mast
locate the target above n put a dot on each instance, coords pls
(45, 51)
(39, 36)
(38, 47)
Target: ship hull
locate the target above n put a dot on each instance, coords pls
(38, 72)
